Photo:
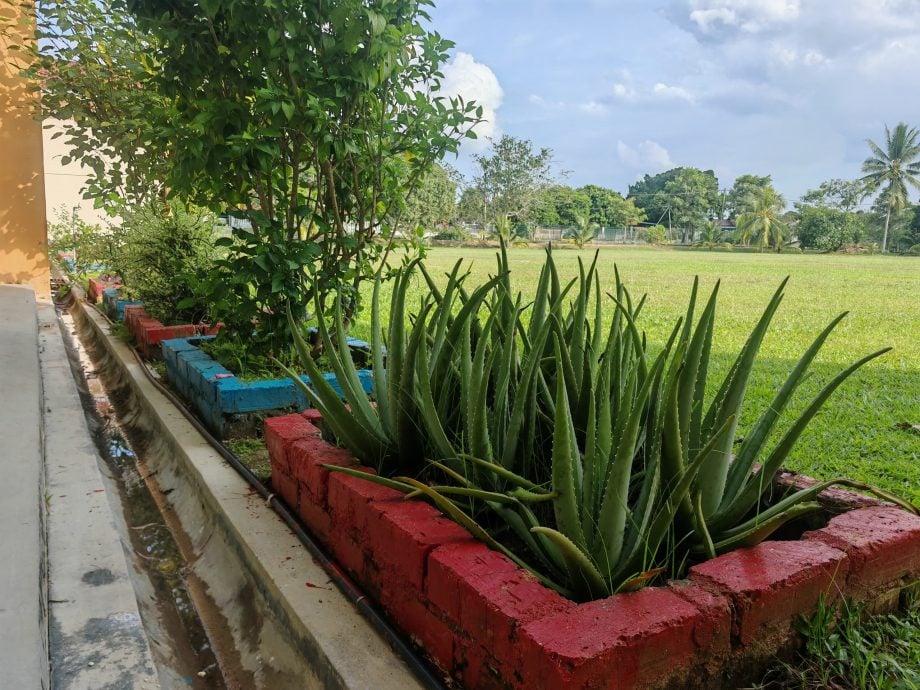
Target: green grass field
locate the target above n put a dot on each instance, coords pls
(856, 434)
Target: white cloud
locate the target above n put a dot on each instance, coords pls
(593, 108)
(749, 16)
(474, 81)
(623, 92)
(672, 92)
(647, 156)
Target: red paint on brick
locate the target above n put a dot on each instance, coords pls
(452, 566)
(312, 415)
(712, 632)
(349, 554)
(306, 457)
(314, 517)
(422, 625)
(770, 584)
(625, 641)
(401, 534)
(286, 487)
(280, 432)
(348, 499)
(882, 544)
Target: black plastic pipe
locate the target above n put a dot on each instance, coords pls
(345, 584)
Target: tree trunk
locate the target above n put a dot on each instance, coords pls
(885, 234)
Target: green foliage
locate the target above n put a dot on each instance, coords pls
(432, 205)
(685, 197)
(511, 176)
(605, 461)
(455, 233)
(828, 229)
(610, 210)
(845, 647)
(843, 195)
(314, 123)
(162, 253)
(86, 60)
(738, 199)
(655, 234)
(915, 250)
(763, 222)
(712, 237)
(559, 205)
(582, 232)
(91, 246)
(891, 170)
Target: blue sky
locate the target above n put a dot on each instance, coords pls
(617, 88)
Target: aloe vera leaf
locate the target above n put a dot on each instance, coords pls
(715, 474)
(753, 443)
(590, 470)
(504, 473)
(754, 487)
(447, 507)
(611, 520)
(375, 478)
(427, 410)
(691, 396)
(564, 457)
(756, 532)
(380, 373)
(584, 577)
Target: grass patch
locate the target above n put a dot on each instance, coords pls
(857, 433)
(253, 453)
(853, 651)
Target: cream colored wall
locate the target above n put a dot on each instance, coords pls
(64, 182)
(23, 235)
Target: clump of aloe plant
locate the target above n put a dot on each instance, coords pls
(565, 443)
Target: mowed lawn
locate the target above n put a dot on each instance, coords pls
(856, 435)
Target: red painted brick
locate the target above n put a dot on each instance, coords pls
(280, 432)
(422, 626)
(286, 487)
(625, 641)
(306, 457)
(347, 552)
(712, 632)
(451, 566)
(312, 415)
(882, 544)
(476, 667)
(773, 582)
(208, 329)
(833, 497)
(401, 534)
(134, 312)
(349, 497)
(314, 517)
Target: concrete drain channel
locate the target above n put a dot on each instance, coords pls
(179, 640)
(229, 596)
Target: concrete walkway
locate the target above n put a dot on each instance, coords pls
(57, 525)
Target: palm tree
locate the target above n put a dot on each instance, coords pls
(711, 237)
(503, 228)
(763, 221)
(893, 168)
(583, 231)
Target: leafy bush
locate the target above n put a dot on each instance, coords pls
(90, 245)
(602, 457)
(162, 253)
(656, 234)
(455, 233)
(915, 250)
(828, 229)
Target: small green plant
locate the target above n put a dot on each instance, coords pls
(655, 234)
(845, 647)
(583, 232)
(605, 459)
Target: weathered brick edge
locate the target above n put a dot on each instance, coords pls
(113, 304)
(488, 623)
(217, 394)
(149, 332)
(96, 286)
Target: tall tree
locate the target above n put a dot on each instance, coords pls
(741, 191)
(763, 223)
(892, 169)
(684, 196)
(511, 176)
(313, 120)
(610, 210)
(559, 204)
(433, 202)
(843, 195)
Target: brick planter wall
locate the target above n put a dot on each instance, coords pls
(96, 286)
(489, 624)
(219, 395)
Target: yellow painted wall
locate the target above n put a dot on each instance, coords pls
(23, 227)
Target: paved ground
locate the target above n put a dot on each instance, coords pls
(53, 503)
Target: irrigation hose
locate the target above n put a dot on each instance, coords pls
(348, 588)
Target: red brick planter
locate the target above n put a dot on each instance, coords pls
(95, 286)
(149, 332)
(490, 624)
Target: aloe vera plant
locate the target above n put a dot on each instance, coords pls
(563, 442)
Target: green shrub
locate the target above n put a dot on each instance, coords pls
(656, 234)
(915, 250)
(603, 458)
(92, 245)
(161, 254)
(454, 233)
